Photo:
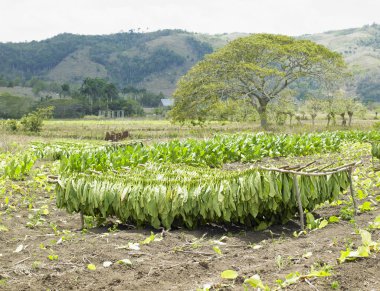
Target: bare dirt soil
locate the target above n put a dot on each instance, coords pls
(182, 260)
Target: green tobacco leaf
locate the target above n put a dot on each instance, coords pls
(361, 252)
(323, 224)
(297, 234)
(364, 251)
(366, 206)
(53, 257)
(320, 273)
(229, 274)
(375, 224)
(361, 194)
(255, 282)
(125, 262)
(91, 267)
(366, 238)
(3, 228)
(310, 220)
(290, 279)
(262, 226)
(149, 239)
(367, 241)
(334, 219)
(344, 255)
(217, 250)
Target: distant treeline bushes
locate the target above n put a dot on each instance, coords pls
(94, 94)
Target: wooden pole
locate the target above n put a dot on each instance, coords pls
(352, 191)
(346, 166)
(307, 165)
(299, 201)
(325, 167)
(81, 220)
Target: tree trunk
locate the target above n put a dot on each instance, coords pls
(313, 116)
(262, 110)
(350, 114)
(91, 101)
(344, 122)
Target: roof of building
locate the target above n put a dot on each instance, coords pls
(167, 102)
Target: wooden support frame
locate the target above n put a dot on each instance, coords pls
(296, 171)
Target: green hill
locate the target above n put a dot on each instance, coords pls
(156, 60)
(153, 60)
(360, 46)
(361, 50)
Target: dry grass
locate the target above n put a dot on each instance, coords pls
(148, 129)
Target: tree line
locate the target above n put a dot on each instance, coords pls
(94, 94)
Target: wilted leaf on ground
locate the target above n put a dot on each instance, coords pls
(19, 249)
(217, 250)
(229, 274)
(91, 267)
(125, 262)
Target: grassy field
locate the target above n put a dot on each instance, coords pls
(163, 129)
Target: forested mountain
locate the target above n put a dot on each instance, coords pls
(156, 60)
(152, 60)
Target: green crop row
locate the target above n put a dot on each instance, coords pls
(375, 151)
(213, 152)
(16, 167)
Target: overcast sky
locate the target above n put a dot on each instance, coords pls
(26, 20)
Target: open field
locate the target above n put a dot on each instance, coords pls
(43, 248)
(164, 129)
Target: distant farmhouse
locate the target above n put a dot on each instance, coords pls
(167, 103)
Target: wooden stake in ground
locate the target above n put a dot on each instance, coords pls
(352, 191)
(299, 201)
(81, 220)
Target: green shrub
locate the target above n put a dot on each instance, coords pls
(376, 125)
(33, 121)
(11, 125)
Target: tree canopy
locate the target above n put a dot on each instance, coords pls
(256, 68)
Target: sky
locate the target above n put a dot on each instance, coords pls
(26, 20)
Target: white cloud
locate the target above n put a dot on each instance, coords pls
(38, 19)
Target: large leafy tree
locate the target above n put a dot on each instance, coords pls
(100, 90)
(256, 68)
